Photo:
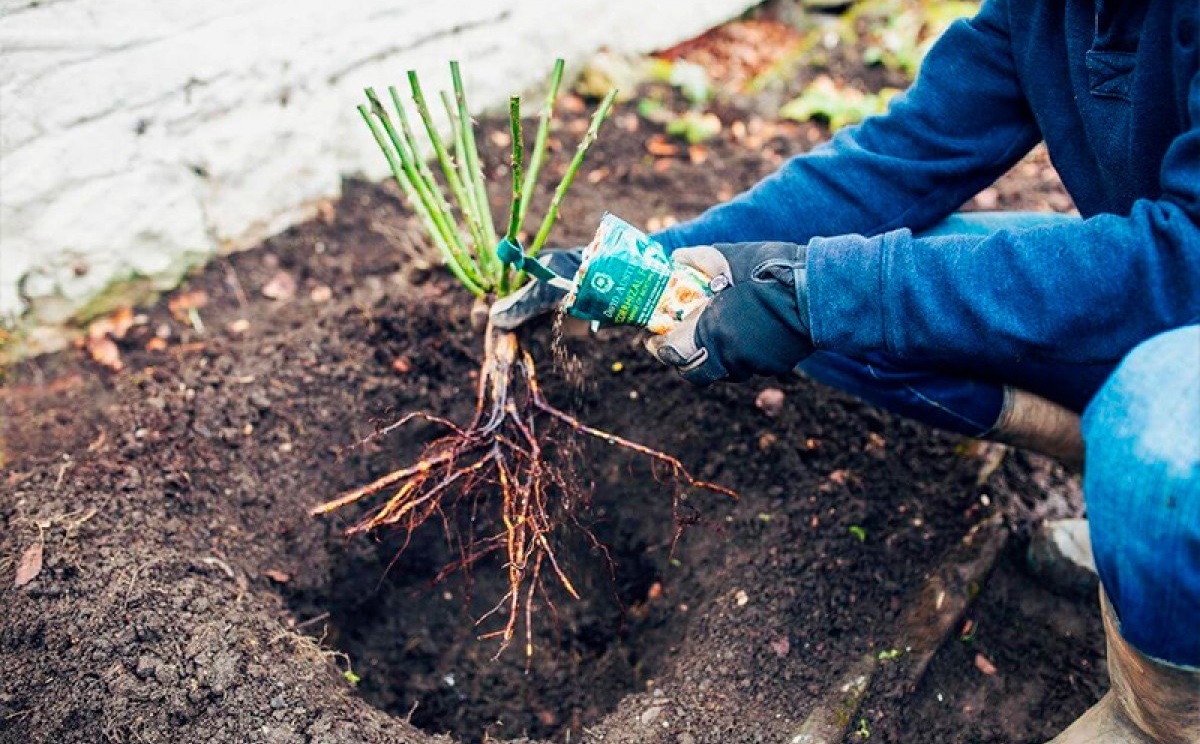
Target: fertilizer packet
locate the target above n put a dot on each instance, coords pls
(627, 278)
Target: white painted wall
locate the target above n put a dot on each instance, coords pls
(138, 137)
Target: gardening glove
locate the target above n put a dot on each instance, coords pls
(755, 324)
(536, 298)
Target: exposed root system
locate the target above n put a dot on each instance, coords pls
(496, 471)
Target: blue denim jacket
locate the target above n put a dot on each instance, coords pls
(1112, 87)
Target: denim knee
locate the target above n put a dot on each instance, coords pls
(1142, 487)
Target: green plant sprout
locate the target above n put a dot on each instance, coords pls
(839, 105)
(511, 501)
(862, 730)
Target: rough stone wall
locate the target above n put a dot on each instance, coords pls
(138, 137)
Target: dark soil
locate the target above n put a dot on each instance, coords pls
(186, 596)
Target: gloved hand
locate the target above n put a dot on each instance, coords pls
(755, 324)
(536, 298)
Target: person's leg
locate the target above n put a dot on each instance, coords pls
(1142, 489)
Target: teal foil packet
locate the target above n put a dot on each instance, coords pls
(624, 277)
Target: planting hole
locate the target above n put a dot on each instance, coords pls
(413, 644)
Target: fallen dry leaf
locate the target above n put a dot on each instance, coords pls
(116, 324)
(697, 154)
(326, 211)
(660, 147)
(104, 351)
(984, 665)
(842, 477)
(280, 287)
(875, 445)
(321, 293)
(278, 576)
(30, 565)
(180, 304)
(968, 629)
(737, 53)
(241, 325)
(156, 344)
(401, 365)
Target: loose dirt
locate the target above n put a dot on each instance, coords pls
(186, 596)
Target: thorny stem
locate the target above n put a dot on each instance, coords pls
(543, 139)
(457, 185)
(428, 191)
(470, 253)
(420, 206)
(518, 156)
(460, 149)
(488, 259)
(580, 152)
(430, 183)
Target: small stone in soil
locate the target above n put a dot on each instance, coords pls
(781, 646)
(988, 199)
(770, 401)
(280, 287)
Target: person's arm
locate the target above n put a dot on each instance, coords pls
(961, 125)
(1086, 292)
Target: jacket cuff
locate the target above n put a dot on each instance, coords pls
(669, 239)
(846, 300)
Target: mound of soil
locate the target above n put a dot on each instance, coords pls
(184, 595)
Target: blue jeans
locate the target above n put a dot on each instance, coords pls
(1142, 486)
(1141, 428)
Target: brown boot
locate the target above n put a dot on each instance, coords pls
(1150, 702)
(1031, 422)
